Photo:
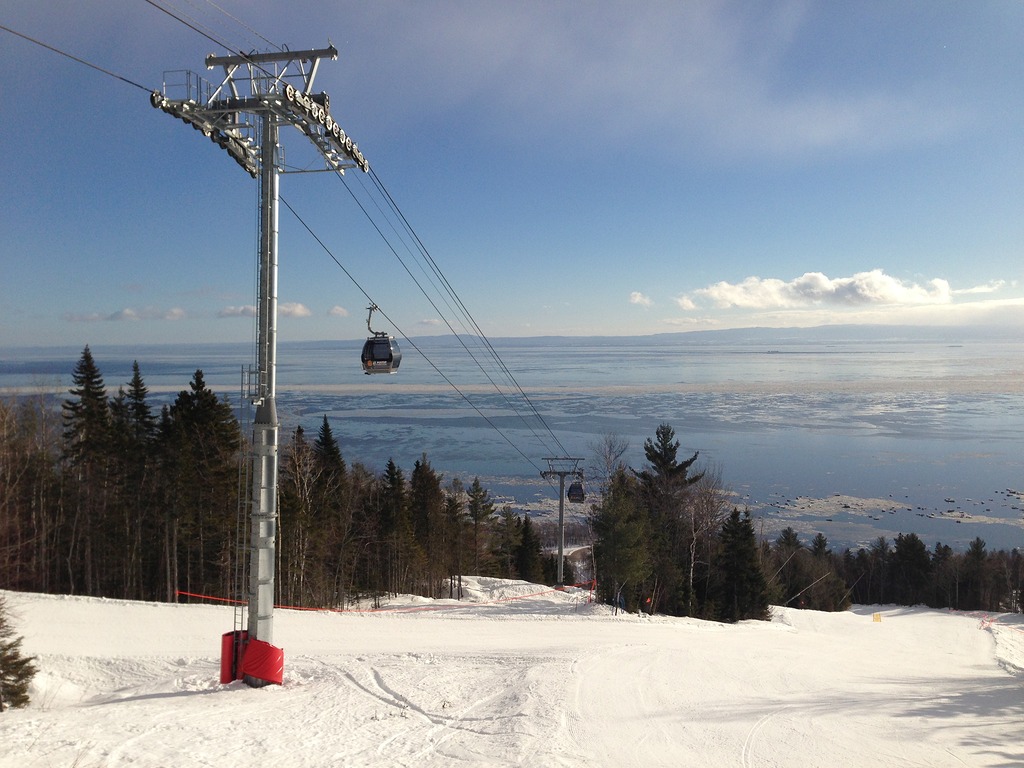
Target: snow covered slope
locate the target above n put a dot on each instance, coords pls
(518, 675)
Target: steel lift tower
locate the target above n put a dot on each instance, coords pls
(243, 114)
(560, 467)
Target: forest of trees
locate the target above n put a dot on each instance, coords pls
(108, 497)
(666, 541)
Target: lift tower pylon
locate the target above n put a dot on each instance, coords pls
(243, 114)
(561, 467)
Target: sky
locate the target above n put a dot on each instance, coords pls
(518, 674)
(571, 169)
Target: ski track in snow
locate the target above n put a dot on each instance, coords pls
(517, 675)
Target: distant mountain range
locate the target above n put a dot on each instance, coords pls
(759, 335)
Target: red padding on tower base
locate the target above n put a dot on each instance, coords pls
(232, 650)
(263, 661)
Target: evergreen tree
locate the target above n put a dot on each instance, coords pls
(86, 415)
(620, 542)
(86, 451)
(328, 452)
(744, 589)
(427, 504)
(528, 562)
(789, 567)
(133, 461)
(827, 590)
(665, 487)
(911, 570)
(880, 577)
(480, 510)
(334, 518)
(16, 670)
(396, 529)
(975, 593)
(200, 445)
(819, 547)
(508, 533)
(455, 535)
(945, 569)
(661, 455)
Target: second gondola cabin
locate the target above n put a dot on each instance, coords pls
(381, 354)
(575, 493)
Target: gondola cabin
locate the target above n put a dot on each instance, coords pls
(381, 354)
(575, 493)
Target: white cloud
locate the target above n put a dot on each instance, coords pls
(293, 309)
(430, 322)
(991, 287)
(128, 314)
(286, 309)
(692, 322)
(638, 298)
(814, 289)
(247, 310)
(84, 317)
(337, 311)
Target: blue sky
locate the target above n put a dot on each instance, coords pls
(572, 168)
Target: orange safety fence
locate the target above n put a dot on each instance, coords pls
(987, 620)
(399, 608)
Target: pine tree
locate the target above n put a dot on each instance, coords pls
(455, 535)
(819, 546)
(327, 450)
(132, 455)
(620, 541)
(333, 516)
(974, 595)
(945, 577)
(790, 567)
(480, 511)
(200, 448)
(744, 590)
(665, 486)
(880, 576)
(16, 670)
(528, 561)
(86, 451)
(427, 505)
(911, 569)
(396, 529)
(508, 533)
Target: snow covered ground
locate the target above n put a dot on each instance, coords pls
(519, 675)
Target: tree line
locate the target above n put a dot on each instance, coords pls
(666, 541)
(112, 497)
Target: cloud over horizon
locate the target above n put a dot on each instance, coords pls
(247, 310)
(815, 289)
(293, 309)
(128, 314)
